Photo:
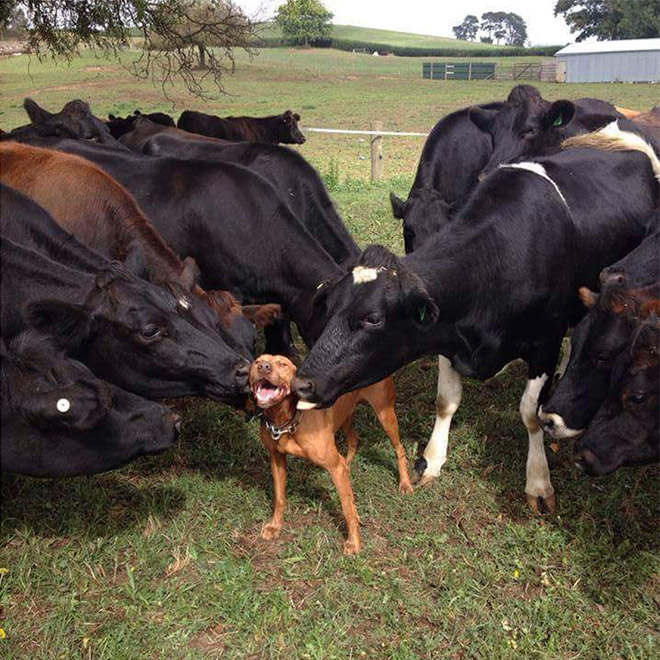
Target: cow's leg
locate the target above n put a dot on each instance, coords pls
(279, 340)
(448, 399)
(538, 488)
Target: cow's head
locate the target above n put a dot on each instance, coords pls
(524, 125)
(423, 214)
(377, 313)
(153, 340)
(596, 344)
(75, 120)
(289, 132)
(626, 428)
(58, 419)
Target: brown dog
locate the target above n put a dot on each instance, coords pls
(311, 435)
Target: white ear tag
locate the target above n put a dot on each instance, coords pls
(63, 405)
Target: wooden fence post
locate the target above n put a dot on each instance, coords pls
(376, 151)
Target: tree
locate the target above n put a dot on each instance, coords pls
(506, 26)
(611, 19)
(467, 30)
(172, 31)
(515, 30)
(304, 21)
(13, 22)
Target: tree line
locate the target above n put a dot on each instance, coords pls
(496, 27)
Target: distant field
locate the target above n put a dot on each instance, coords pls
(161, 560)
(387, 37)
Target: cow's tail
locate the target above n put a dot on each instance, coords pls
(612, 138)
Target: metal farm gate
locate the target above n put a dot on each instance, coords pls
(458, 71)
(546, 70)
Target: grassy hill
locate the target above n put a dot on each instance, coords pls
(386, 37)
(349, 37)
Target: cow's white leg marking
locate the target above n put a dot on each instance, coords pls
(447, 401)
(539, 490)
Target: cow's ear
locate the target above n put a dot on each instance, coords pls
(189, 275)
(588, 297)
(262, 315)
(136, 113)
(398, 206)
(482, 119)
(559, 114)
(36, 113)
(112, 117)
(69, 324)
(296, 116)
(419, 306)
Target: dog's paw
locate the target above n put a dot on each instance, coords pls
(352, 547)
(405, 487)
(270, 531)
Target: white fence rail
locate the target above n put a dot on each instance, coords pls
(377, 134)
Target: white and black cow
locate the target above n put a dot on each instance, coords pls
(499, 283)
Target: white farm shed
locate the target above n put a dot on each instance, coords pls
(628, 60)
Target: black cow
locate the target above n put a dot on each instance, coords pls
(497, 283)
(626, 428)
(454, 154)
(119, 126)
(74, 120)
(59, 420)
(250, 244)
(294, 178)
(601, 336)
(274, 129)
(150, 340)
(527, 124)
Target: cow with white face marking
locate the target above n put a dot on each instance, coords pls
(498, 284)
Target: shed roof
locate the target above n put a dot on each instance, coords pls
(621, 46)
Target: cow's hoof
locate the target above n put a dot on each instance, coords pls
(352, 547)
(418, 471)
(270, 531)
(542, 505)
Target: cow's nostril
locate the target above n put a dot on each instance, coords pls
(242, 373)
(303, 387)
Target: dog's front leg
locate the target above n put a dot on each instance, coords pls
(340, 477)
(271, 530)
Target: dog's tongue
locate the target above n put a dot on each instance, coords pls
(266, 395)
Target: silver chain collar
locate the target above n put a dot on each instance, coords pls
(276, 432)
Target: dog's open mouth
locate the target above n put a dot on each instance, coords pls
(267, 394)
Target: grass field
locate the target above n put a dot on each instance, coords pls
(162, 558)
(386, 37)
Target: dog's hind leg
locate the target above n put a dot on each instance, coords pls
(352, 438)
(382, 398)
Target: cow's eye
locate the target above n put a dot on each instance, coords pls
(372, 320)
(602, 361)
(150, 332)
(637, 398)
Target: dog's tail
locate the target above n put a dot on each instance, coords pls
(612, 138)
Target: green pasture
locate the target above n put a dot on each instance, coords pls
(162, 559)
(387, 37)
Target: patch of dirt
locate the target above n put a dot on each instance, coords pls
(211, 640)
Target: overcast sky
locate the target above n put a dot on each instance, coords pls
(434, 16)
